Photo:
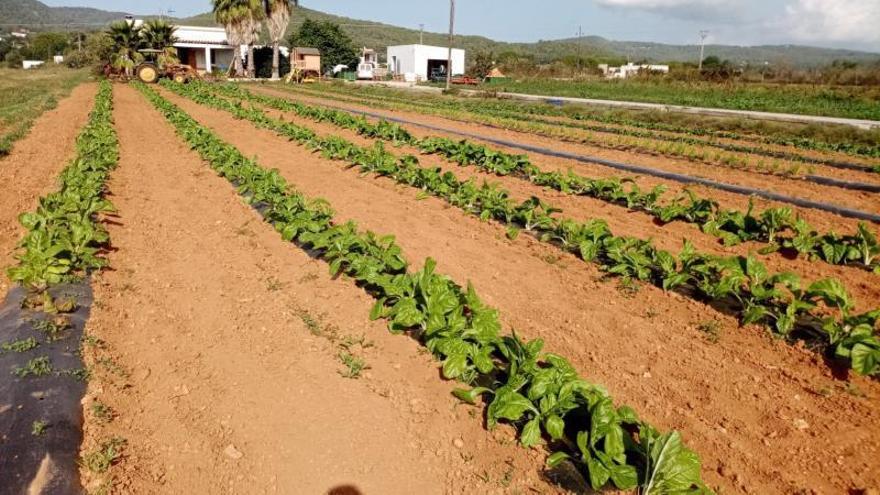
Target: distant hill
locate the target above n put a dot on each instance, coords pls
(38, 16)
(377, 35)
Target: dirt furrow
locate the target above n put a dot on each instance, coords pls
(32, 169)
(219, 354)
(765, 416)
(863, 285)
(854, 199)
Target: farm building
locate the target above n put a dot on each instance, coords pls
(630, 69)
(204, 48)
(306, 59)
(422, 60)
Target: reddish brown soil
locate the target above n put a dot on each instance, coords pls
(765, 417)
(32, 169)
(793, 187)
(216, 333)
(864, 285)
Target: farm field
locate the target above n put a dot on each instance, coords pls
(622, 327)
(25, 95)
(849, 102)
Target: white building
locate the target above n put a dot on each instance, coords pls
(419, 61)
(204, 48)
(30, 64)
(630, 69)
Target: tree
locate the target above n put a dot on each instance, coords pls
(127, 40)
(44, 46)
(158, 34)
(481, 64)
(277, 19)
(97, 49)
(336, 47)
(240, 19)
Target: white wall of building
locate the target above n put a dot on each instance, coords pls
(413, 59)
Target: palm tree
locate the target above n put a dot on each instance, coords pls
(252, 25)
(127, 40)
(240, 18)
(277, 19)
(159, 35)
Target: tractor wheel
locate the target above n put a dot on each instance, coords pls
(147, 73)
(180, 78)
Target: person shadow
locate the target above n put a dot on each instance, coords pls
(344, 490)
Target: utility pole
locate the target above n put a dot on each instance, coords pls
(703, 35)
(579, 46)
(449, 56)
(421, 34)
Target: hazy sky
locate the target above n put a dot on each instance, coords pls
(835, 23)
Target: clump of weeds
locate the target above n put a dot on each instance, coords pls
(99, 461)
(712, 329)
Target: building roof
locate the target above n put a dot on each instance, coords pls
(304, 50)
(201, 35)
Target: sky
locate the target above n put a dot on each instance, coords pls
(853, 24)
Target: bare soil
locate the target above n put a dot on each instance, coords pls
(219, 355)
(766, 417)
(31, 169)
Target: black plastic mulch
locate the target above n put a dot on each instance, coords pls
(41, 413)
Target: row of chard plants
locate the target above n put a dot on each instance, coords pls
(604, 123)
(64, 239)
(777, 300)
(539, 393)
(780, 228)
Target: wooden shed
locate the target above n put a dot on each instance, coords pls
(307, 59)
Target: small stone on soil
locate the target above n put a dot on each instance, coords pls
(232, 452)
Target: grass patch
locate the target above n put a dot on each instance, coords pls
(26, 94)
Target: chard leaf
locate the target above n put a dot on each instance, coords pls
(865, 359)
(599, 474)
(508, 405)
(379, 310)
(531, 433)
(673, 468)
(624, 477)
(455, 365)
(556, 459)
(555, 426)
(470, 396)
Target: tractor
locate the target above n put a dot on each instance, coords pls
(150, 71)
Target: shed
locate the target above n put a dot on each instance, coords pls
(307, 59)
(423, 60)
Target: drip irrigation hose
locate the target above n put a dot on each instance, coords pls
(676, 177)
